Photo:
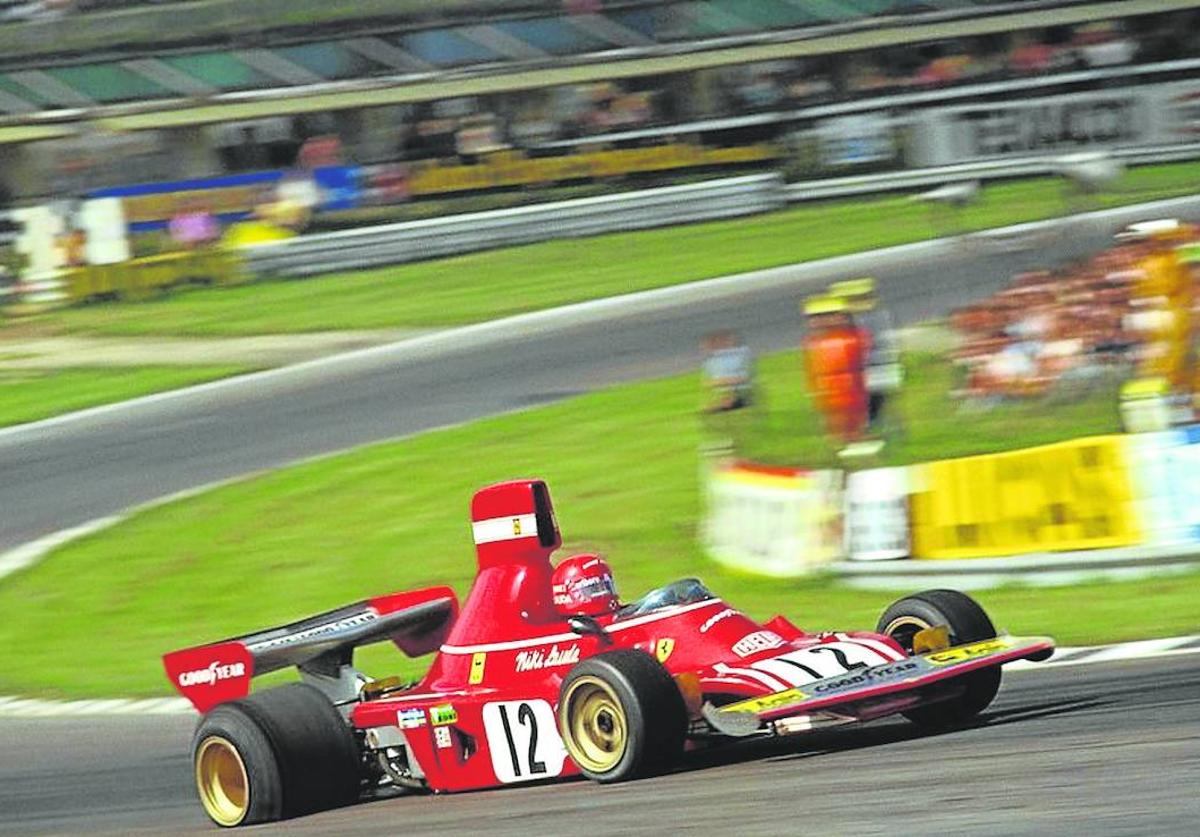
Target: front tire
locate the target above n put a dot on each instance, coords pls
(967, 622)
(279, 753)
(620, 716)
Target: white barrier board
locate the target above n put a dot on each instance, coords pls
(773, 521)
(877, 514)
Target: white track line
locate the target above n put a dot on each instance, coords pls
(1138, 650)
(28, 554)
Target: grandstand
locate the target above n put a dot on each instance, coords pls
(151, 24)
(118, 52)
(92, 91)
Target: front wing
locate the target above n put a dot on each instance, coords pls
(747, 717)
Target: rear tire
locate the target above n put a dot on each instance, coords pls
(968, 622)
(621, 716)
(279, 753)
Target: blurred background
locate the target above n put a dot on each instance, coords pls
(192, 191)
(823, 302)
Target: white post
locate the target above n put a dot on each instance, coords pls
(41, 281)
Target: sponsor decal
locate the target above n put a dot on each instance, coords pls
(715, 618)
(442, 736)
(768, 702)
(757, 641)
(217, 671)
(410, 718)
(538, 659)
(516, 525)
(663, 649)
(478, 660)
(442, 715)
(585, 589)
(867, 677)
(828, 659)
(356, 621)
(967, 652)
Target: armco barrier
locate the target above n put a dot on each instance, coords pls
(413, 241)
(311, 255)
(1010, 167)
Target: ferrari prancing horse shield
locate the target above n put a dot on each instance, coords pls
(663, 649)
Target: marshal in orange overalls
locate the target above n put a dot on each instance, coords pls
(835, 354)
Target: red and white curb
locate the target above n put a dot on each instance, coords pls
(12, 707)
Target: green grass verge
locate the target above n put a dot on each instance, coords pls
(93, 618)
(29, 395)
(497, 283)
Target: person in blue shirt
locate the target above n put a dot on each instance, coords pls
(728, 372)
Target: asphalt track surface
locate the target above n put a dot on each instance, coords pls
(1094, 751)
(61, 476)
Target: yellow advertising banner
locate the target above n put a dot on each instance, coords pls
(1070, 495)
(512, 168)
(141, 278)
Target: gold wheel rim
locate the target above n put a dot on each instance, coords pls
(899, 630)
(222, 781)
(593, 721)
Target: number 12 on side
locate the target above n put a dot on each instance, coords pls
(523, 740)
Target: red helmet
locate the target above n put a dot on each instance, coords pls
(583, 586)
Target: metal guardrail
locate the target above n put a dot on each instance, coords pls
(838, 187)
(417, 240)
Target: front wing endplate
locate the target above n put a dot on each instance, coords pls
(746, 717)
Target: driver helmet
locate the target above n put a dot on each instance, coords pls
(583, 586)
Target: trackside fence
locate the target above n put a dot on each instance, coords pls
(417, 240)
(377, 246)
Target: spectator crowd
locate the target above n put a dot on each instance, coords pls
(535, 121)
(1125, 312)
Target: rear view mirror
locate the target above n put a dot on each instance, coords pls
(584, 625)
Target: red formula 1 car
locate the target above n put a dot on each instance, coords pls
(543, 674)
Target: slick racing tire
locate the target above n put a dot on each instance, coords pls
(279, 753)
(967, 622)
(621, 716)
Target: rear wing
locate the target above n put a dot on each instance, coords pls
(416, 621)
(747, 717)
